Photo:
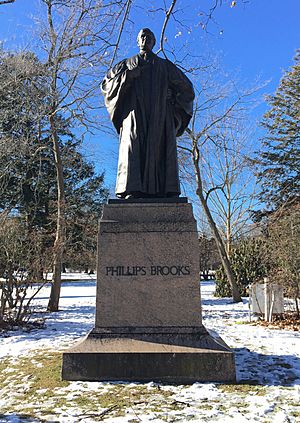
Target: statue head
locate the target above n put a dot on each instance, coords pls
(146, 40)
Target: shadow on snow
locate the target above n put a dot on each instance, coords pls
(266, 369)
(19, 418)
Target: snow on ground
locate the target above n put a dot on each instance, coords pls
(267, 361)
(75, 319)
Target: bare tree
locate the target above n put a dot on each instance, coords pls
(230, 182)
(76, 40)
(216, 108)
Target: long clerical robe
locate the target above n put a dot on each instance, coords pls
(148, 112)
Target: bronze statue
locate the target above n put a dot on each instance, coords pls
(150, 102)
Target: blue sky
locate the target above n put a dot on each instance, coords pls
(258, 38)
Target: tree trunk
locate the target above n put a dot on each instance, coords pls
(228, 226)
(236, 296)
(60, 222)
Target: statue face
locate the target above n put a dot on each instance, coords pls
(146, 40)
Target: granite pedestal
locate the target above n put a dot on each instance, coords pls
(148, 324)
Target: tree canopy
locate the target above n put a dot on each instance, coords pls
(280, 158)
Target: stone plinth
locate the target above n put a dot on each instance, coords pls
(148, 316)
(148, 266)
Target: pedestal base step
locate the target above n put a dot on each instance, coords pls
(174, 357)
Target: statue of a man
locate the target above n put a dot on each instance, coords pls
(150, 102)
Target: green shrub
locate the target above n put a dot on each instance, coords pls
(247, 264)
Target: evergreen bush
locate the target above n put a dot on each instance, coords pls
(247, 264)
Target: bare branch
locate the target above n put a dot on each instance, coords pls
(212, 189)
(128, 4)
(185, 148)
(164, 27)
(6, 1)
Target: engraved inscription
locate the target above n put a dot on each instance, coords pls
(126, 271)
(159, 270)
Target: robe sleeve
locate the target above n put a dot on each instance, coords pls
(113, 87)
(183, 95)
